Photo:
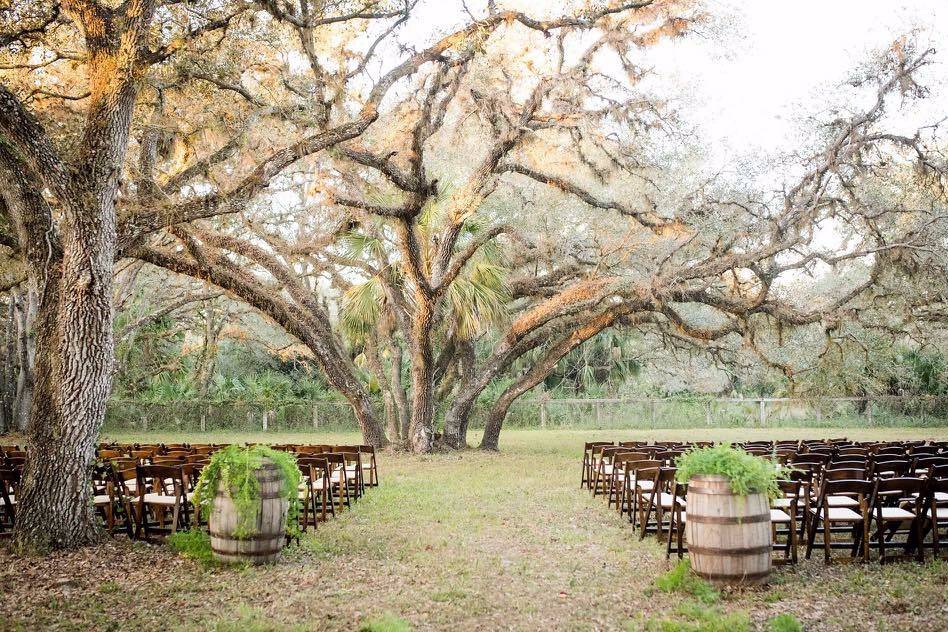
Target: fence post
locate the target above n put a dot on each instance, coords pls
(763, 412)
(598, 414)
(707, 412)
(315, 416)
(869, 411)
(819, 412)
(653, 412)
(543, 413)
(266, 420)
(204, 411)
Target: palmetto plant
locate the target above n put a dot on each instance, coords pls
(606, 361)
(475, 301)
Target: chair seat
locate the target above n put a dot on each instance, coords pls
(668, 501)
(841, 501)
(645, 485)
(100, 500)
(839, 514)
(164, 499)
(942, 515)
(896, 513)
(778, 515)
(782, 503)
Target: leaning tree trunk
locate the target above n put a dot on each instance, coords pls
(398, 392)
(466, 374)
(6, 368)
(25, 303)
(422, 381)
(538, 372)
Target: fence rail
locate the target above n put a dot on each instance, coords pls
(212, 416)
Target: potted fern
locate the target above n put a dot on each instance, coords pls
(250, 499)
(728, 516)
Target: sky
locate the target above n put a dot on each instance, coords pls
(748, 78)
(770, 63)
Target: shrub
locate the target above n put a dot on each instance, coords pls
(747, 474)
(195, 544)
(681, 579)
(236, 468)
(784, 623)
(385, 623)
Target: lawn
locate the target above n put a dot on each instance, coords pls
(463, 541)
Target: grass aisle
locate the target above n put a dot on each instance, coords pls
(468, 541)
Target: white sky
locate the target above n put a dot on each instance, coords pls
(754, 77)
(748, 78)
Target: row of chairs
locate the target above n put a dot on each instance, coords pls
(146, 491)
(868, 492)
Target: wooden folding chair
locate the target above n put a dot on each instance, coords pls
(783, 519)
(896, 506)
(825, 517)
(590, 452)
(162, 489)
(110, 501)
(662, 500)
(9, 487)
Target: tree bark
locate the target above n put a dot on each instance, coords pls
(398, 391)
(7, 368)
(422, 379)
(537, 373)
(25, 311)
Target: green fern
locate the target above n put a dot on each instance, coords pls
(236, 468)
(747, 474)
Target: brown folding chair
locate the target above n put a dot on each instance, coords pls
(162, 489)
(825, 517)
(896, 507)
(784, 512)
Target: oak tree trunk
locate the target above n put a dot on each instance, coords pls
(422, 380)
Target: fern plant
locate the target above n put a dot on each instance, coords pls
(748, 474)
(236, 468)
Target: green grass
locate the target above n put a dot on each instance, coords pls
(194, 544)
(385, 623)
(784, 623)
(466, 540)
(680, 579)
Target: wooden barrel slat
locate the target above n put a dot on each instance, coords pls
(729, 536)
(266, 544)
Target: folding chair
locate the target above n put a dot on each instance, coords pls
(784, 513)
(590, 453)
(169, 493)
(825, 517)
(895, 502)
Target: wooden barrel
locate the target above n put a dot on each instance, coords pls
(269, 531)
(729, 536)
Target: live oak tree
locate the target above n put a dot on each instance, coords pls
(420, 248)
(78, 200)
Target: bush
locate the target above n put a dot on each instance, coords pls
(784, 623)
(681, 579)
(195, 544)
(747, 474)
(236, 468)
(385, 623)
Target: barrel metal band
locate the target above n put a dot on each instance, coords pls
(244, 553)
(729, 519)
(259, 537)
(712, 551)
(694, 488)
(727, 576)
